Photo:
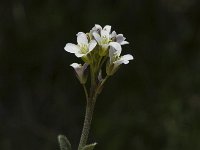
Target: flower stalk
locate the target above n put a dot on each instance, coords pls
(94, 91)
(87, 122)
(99, 49)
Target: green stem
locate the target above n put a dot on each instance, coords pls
(104, 80)
(86, 93)
(87, 123)
(91, 100)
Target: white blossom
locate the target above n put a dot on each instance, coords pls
(114, 54)
(83, 47)
(102, 36)
(119, 38)
(115, 59)
(105, 44)
(97, 28)
(123, 59)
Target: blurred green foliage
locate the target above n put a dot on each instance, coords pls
(151, 104)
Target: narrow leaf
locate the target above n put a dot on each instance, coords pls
(64, 142)
(89, 147)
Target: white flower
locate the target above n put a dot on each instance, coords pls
(115, 59)
(97, 28)
(119, 38)
(83, 47)
(123, 60)
(114, 54)
(115, 48)
(102, 36)
(80, 71)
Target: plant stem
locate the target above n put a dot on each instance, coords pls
(91, 100)
(104, 80)
(87, 122)
(86, 93)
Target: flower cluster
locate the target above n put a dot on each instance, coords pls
(97, 47)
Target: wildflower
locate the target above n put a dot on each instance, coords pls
(80, 72)
(97, 28)
(115, 59)
(83, 47)
(119, 38)
(97, 44)
(95, 48)
(102, 36)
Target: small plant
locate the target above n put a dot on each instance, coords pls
(99, 49)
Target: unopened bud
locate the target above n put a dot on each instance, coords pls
(81, 72)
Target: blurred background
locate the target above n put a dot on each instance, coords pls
(151, 104)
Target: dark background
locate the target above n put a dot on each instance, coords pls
(151, 104)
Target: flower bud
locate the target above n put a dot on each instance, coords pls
(81, 72)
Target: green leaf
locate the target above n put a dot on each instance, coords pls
(64, 142)
(89, 147)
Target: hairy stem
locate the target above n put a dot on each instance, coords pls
(87, 122)
(91, 100)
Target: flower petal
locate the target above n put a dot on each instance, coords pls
(112, 52)
(97, 37)
(92, 45)
(107, 28)
(127, 57)
(124, 42)
(120, 38)
(71, 48)
(76, 65)
(124, 59)
(117, 47)
(113, 34)
(97, 27)
(82, 38)
(105, 33)
(79, 55)
(118, 62)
